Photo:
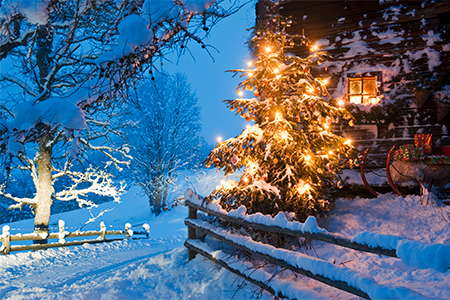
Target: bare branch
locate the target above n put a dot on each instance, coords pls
(101, 183)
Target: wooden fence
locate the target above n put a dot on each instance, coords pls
(197, 247)
(62, 235)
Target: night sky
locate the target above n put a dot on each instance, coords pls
(209, 79)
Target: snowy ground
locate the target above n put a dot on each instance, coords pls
(157, 268)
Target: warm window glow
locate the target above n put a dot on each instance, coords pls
(362, 90)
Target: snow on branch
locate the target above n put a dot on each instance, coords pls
(20, 201)
(100, 183)
(106, 150)
(20, 83)
(93, 218)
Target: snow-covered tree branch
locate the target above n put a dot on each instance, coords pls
(67, 67)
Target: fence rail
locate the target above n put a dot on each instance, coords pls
(62, 235)
(335, 239)
(278, 256)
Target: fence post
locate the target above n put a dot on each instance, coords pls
(147, 229)
(128, 230)
(103, 230)
(61, 234)
(6, 240)
(192, 232)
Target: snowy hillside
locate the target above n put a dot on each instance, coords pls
(157, 268)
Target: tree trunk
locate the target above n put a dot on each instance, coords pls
(44, 188)
(156, 194)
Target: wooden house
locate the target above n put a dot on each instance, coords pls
(390, 66)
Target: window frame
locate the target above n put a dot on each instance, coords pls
(375, 76)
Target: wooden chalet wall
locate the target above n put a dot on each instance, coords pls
(406, 43)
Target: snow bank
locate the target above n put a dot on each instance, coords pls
(287, 288)
(158, 268)
(317, 266)
(411, 253)
(420, 255)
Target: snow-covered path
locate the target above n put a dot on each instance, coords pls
(153, 268)
(89, 271)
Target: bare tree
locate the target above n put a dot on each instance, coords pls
(65, 66)
(165, 136)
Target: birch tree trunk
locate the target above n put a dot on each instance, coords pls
(44, 188)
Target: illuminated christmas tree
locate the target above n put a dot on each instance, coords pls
(290, 157)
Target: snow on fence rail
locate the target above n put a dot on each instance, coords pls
(435, 256)
(7, 238)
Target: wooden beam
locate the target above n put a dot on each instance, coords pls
(336, 284)
(326, 237)
(57, 245)
(222, 263)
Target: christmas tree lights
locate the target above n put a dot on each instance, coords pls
(290, 156)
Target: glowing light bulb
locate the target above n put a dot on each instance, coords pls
(249, 63)
(276, 70)
(341, 103)
(326, 126)
(348, 142)
(240, 93)
(314, 48)
(268, 49)
(277, 116)
(250, 74)
(330, 152)
(304, 188)
(308, 158)
(219, 139)
(252, 167)
(326, 81)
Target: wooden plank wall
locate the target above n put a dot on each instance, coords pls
(411, 24)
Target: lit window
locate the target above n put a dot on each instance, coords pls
(362, 90)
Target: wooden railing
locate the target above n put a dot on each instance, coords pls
(257, 249)
(62, 235)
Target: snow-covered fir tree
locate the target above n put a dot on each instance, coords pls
(290, 155)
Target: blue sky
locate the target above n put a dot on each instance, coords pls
(209, 79)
